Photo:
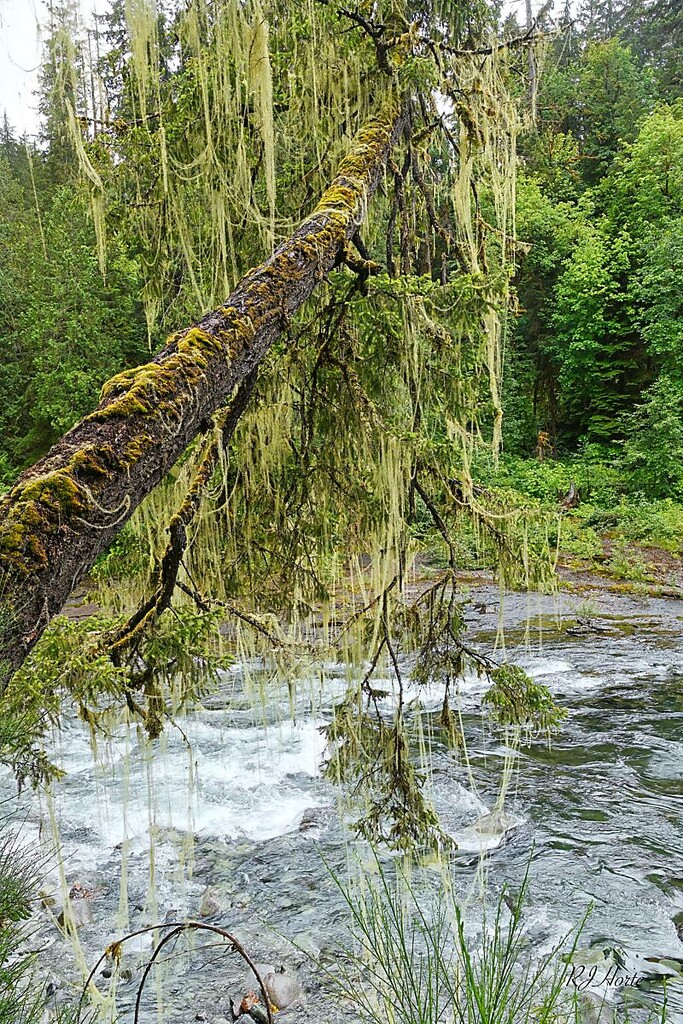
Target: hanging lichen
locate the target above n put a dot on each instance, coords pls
(261, 86)
(141, 21)
(365, 419)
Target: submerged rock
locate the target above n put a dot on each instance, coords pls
(495, 823)
(312, 820)
(594, 1009)
(77, 910)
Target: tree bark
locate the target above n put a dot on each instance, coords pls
(64, 511)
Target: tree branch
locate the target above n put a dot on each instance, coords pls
(64, 511)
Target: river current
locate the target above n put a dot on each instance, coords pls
(233, 800)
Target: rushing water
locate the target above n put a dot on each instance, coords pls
(236, 802)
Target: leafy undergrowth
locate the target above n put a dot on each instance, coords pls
(623, 535)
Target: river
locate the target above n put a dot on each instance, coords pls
(234, 800)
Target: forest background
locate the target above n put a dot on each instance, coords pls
(592, 389)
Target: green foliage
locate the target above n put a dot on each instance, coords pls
(614, 502)
(70, 667)
(596, 355)
(66, 330)
(624, 564)
(61, 89)
(126, 557)
(592, 470)
(659, 295)
(578, 539)
(654, 29)
(514, 699)
(645, 187)
(600, 205)
(637, 518)
(590, 102)
(611, 93)
(374, 757)
(653, 450)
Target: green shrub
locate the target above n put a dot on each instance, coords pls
(624, 564)
(653, 451)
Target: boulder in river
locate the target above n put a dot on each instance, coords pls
(312, 820)
(211, 904)
(283, 989)
(495, 824)
(77, 910)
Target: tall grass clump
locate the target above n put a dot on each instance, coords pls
(415, 964)
(21, 995)
(22, 866)
(413, 961)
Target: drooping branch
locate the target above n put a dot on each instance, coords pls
(64, 511)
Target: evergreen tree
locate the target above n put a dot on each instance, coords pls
(654, 29)
(61, 93)
(366, 418)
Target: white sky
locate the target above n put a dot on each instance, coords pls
(19, 58)
(23, 26)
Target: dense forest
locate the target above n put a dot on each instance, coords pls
(471, 361)
(593, 330)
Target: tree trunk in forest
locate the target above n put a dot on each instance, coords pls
(64, 511)
(531, 61)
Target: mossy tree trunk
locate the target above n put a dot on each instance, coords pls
(65, 510)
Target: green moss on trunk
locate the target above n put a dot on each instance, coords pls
(65, 510)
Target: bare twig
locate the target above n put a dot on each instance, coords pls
(177, 927)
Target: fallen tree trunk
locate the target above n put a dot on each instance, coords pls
(64, 511)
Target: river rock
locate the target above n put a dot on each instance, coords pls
(210, 905)
(53, 986)
(262, 969)
(283, 989)
(495, 823)
(76, 912)
(311, 820)
(594, 1009)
